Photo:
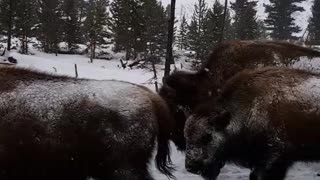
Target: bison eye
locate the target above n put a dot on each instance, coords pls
(206, 139)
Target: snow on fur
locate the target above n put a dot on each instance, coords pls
(64, 65)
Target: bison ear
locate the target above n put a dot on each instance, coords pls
(221, 120)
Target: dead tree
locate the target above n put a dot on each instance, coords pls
(169, 56)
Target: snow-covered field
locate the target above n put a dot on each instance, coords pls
(64, 64)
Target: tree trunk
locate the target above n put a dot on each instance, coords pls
(91, 53)
(128, 52)
(224, 20)
(169, 56)
(155, 77)
(26, 43)
(46, 47)
(10, 25)
(94, 49)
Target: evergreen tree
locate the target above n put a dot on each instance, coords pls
(138, 26)
(50, 24)
(24, 22)
(262, 30)
(7, 14)
(154, 28)
(228, 30)
(314, 25)
(193, 35)
(96, 22)
(280, 21)
(245, 22)
(196, 34)
(182, 33)
(71, 13)
(213, 26)
(121, 26)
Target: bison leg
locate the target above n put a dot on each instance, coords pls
(274, 168)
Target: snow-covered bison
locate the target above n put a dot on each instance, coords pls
(264, 119)
(184, 90)
(56, 127)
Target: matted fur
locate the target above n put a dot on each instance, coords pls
(57, 127)
(264, 119)
(184, 90)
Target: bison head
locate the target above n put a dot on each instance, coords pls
(206, 137)
(182, 91)
(177, 91)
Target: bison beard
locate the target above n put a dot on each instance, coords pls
(274, 122)
(56, 127)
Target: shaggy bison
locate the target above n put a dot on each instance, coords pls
(184, 90)
(56, 127)
(264, 119)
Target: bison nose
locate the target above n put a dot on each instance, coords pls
(194, 167)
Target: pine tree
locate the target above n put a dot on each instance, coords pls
(193, 35)
(7, 14)
(154, 28)
(262, 30)
(213, 26)
(50, 24)
(314, 25)
(280, 21)
(228, 30)
(71, 13)
(196, 33)
(182, 33)
(137, 26)
(25, 21)
(96, 23)
(121, 26)
(245, 22)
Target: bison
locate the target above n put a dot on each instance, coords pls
(264, 120)
(183, 90)
(58, 127)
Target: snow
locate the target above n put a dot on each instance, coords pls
(310, 92)
(101, 69)
(301, 18)
(65, 65)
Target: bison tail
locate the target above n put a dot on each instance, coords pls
(163, 160)
(166, 125)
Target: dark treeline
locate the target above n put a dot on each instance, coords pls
(139, 27)
(242, 23)
(54, 21)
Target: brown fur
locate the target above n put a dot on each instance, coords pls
(263, 78)
(10, 77)
(188, 89)
(231, 57)
(75, 145)
(264, 119)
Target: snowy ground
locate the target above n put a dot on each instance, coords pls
(64, 64)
